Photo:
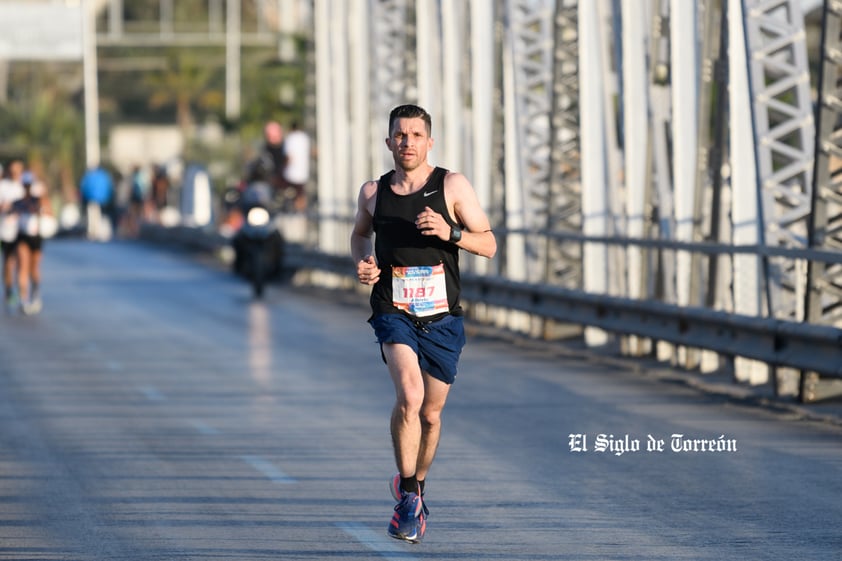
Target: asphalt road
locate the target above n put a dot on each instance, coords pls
(153, 411)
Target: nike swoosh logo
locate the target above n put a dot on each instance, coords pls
(430, 193)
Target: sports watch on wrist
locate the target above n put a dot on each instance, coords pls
(455, 234)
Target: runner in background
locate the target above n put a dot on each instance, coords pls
(11, 189)
(33, 211)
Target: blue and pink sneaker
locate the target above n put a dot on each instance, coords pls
(409, 522)
(405, 523)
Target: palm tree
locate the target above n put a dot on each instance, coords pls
(46, 127)
(186, 83)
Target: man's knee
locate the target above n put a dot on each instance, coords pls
(430, 416)
(411, 400)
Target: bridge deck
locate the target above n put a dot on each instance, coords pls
(154, 411)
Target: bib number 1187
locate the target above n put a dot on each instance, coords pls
(420, 291)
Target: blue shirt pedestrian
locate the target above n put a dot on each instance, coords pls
(97, 186)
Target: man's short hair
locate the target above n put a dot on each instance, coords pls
(410, 111)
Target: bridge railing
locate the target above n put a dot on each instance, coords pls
(815, 351)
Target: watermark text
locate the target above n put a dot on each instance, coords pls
(675, 443)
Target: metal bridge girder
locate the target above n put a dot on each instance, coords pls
(530, 30)
(564, 204)
(824, 297)
(784, 140)
(392, 43)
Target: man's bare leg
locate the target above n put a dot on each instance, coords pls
(435, 396)
(406, 427)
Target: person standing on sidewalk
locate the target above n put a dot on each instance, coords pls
(296, 170)
(420, 216)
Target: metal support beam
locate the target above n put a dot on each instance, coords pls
(595, 188)
(483, 93)
(167, 15)
(745, 210)
(530, 33)
(685, 88)
(563, 262)
(328, 172)
(824, 280)
(363, 123)
(115, 18)
(636, 111)
(824, 297)
(393, 65)
(784, 132)
(453, 121)
(514, 249)
(660, 165)
(705, 286)
(232, 61)
(91, 83)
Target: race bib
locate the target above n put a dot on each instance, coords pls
(420, 291)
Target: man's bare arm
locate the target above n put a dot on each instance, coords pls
(361, 247)
(477, 236)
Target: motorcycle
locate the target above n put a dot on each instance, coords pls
(258, 244)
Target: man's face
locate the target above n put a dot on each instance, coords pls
(16, 169)
(409, 143)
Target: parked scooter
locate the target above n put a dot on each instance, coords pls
(258, 244)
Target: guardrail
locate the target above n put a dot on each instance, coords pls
(815, 350)
(806, 347)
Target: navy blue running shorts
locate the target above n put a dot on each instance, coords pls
(438, 344)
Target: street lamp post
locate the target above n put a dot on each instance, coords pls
(91, 85)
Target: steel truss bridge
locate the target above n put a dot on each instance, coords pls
(652, 158)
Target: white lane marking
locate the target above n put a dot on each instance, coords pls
(152, 393)
(268, 469)
(203, 427)
(381, 544)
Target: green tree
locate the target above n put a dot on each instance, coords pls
(186, 84)
(44, 124)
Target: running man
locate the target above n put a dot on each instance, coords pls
(422, 216)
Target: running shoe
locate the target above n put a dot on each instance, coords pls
(12, 303)
(35, 305)
(30, 308)
(395, 487)
(406, 523)
(395, 490)
(422, 521)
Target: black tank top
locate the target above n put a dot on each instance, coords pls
(399, 243)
